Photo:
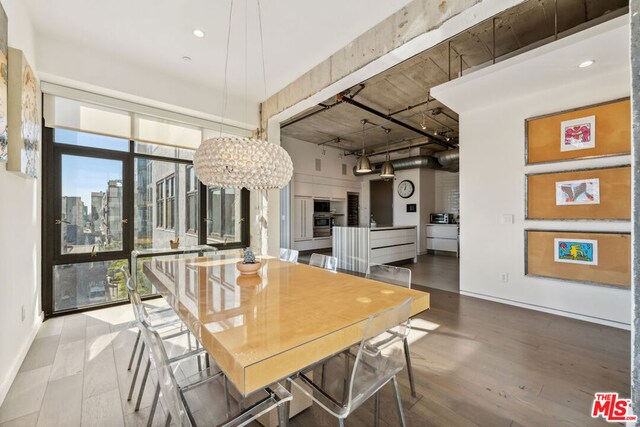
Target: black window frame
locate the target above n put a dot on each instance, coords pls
(50, 231)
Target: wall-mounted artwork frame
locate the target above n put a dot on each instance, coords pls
(610, 265)
(609, 200)
(4, 79)
(573, 134)
(24, 116)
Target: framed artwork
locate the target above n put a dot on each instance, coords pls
(576, 251)
(24, 116)
(4, 73)
(578, 134)
(572, 134)
(586, 194)
(578, 192)
(586, 257)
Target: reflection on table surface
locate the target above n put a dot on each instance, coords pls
(244, 320)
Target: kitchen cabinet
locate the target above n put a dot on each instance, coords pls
(303, 218)
(302, 189)
(443, 237)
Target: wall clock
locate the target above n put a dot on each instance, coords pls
(406, 189)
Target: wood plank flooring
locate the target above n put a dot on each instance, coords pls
(476, 363)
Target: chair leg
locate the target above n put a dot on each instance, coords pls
(152, 412)
(226, 395)
(286, 407)
(403, 422)
(324, 365)
(198, 357)
(377, 409)
(133, 353)
(135, 373)
(143, 384)
(341, 422)
(345, 390)
(168, 422)
(407, 356)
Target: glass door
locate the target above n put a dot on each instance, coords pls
(90, 227)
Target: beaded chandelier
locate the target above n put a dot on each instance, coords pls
(236, 162)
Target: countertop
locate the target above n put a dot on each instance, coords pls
(397, 227)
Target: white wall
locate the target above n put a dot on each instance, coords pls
(493, 106)
(19, 236)
(304, 155)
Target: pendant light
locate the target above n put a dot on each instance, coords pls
(387, 171)
(240, 162)
(363, 165)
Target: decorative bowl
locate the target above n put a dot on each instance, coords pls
(248, 269)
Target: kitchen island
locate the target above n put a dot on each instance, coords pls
(356, 247)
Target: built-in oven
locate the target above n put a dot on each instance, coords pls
(321, 225)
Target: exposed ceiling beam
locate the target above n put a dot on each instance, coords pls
(370, 110)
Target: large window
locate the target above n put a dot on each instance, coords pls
(105, 197)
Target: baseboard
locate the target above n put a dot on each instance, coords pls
(15, 367)
(578, 316)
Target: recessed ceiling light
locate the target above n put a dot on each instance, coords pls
(198, 33)
(186, 58)
(586, 64)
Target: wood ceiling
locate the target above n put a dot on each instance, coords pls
(401, 92)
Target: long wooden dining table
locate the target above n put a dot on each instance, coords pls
(261, 329)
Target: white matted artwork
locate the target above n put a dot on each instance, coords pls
(578, 134)
(575, 251)
(24, 116)
(578, 192)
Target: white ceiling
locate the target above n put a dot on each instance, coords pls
(156, 34)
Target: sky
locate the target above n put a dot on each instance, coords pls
(83, 175)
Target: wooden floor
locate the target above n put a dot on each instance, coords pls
(476, 363)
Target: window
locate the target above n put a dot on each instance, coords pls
(160, 204)
(166, 203)
(170, 202)
(192, 200)
(109, 196)
(224, 215)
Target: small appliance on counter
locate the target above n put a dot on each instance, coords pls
(442, 218)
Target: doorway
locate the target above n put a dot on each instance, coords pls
(381, 202)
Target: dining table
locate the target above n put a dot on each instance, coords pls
(262, 328)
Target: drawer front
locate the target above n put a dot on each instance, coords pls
(442, 245)
(392, 237)
(395, 253)
(442, 231)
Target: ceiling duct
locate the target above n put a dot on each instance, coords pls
(443, 160)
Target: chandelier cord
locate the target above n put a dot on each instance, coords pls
(246, 60)
(264, 70)
(226, 67)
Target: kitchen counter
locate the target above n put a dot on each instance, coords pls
(356, 247)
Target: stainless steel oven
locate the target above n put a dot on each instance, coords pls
(321, 225)
(320, 221)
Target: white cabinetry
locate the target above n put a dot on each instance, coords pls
(303, 218)
(442, 237)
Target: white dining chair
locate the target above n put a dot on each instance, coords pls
(324, 261)
(378, 360)
(290, 255)
(399, 276)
